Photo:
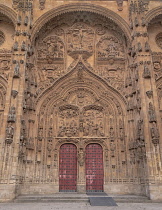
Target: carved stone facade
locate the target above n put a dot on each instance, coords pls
(81, 74)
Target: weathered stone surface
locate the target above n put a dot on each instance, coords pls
(80, 73)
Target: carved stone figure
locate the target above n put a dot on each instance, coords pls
(81, 157)
(146, 73)
(15, 47)
(149, 93)
(12, 114)
(16, 71)
(42, 4)
(112, 149)
(80, 40)
(9, 133)
(152, 116)
(23, 46)
(26, 20)
(154, 133)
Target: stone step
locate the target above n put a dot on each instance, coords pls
(56, 198)
(131, 199)
(77, 198)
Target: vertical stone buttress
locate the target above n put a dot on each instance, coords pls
(13, 114)
(147, 118)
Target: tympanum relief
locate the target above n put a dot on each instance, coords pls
(81, 35)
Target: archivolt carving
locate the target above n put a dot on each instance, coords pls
(150, 15)
(9, 13)
(77, 37)
(106, 13)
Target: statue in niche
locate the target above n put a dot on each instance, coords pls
(50, 132)
(55, 159)
(107, 157)
(121, 133)
(146, 72)
(12, 114)
(112, 149)
(29, 102)
(40, 132)
(49, 146)
(42, 4)
(154, 131)
(23, 46)
(15, 46)
(9, 133)
(140, 133)
(16, 71)
(81, 157)
(111, 132)
(152, 116)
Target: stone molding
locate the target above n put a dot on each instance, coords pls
(10, 13)
(152, 14)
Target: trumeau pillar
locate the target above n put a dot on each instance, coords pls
(141, 58)
(10, 138)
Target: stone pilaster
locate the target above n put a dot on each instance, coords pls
(10, 137)
(142, 58)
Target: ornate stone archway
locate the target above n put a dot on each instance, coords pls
(80, 108)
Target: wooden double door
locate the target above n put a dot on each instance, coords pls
(68, 168)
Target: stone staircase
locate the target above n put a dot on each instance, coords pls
(54, 198)
(77, 198)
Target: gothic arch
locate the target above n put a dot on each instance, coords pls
(64, 80)
(153, 14)
(78, 7)
(9, 13)
(102, 98)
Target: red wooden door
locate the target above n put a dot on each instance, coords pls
(94, 168)
(68, 168)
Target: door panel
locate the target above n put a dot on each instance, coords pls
(68, 168)
(94, 168)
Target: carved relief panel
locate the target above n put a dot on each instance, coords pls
(85, 35)
(5, 63)
(80, 40)
(50, 54)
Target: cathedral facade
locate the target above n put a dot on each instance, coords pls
(80, 97)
